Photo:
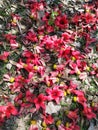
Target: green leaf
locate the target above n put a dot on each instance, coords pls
(54, 14)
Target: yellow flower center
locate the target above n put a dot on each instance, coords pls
(59, 75)
(88, 10)
(62, 83)
(48, 83)
(73, 58)
(12, 79)
(78, 72)
(44, 128)
(24, 100)
(57, 80)
(14, 20)
(93, 104)
(12, 92)
(33, 122)
(67, 124)
(16, 104)
(54, 66)
(35, 67)
(58, 122)
(65, 93)
(6, 61)
(44, 124)
(75, 99)
(68, 91)
(88, 68)
(31, 16)
(40, 36)
(66, 112)
(25, 65)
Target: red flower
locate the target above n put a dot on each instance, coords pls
(1, 119)
(34, 14)
(74, 67)
(29, 96)
(4, 56)
(41, 70)
(14, 44)
(80, 97)
(66, 37)
(31, 36)
(61, 22)
(71, 88)
(19, 64)
(73, 115)
(49, 28)
(76, 19)
(69, 126)
(7, 111)
(94, 69)
(54, 94)
(12, 40)
(48, 41)
(33, 126)
(77, 55)
(59, 68)
(73, 126)
(15, 18)
(34, 59)
(89, 18)
(87, 111)
(48, 119)
(9, 36)
(11, 110)
(34, 8)
(65, 52)
(19, 83)
(2, 114)
(48, 81)
(46, 17)
(40, 101)
(81, 64)
(18, 98)
(27, 54)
